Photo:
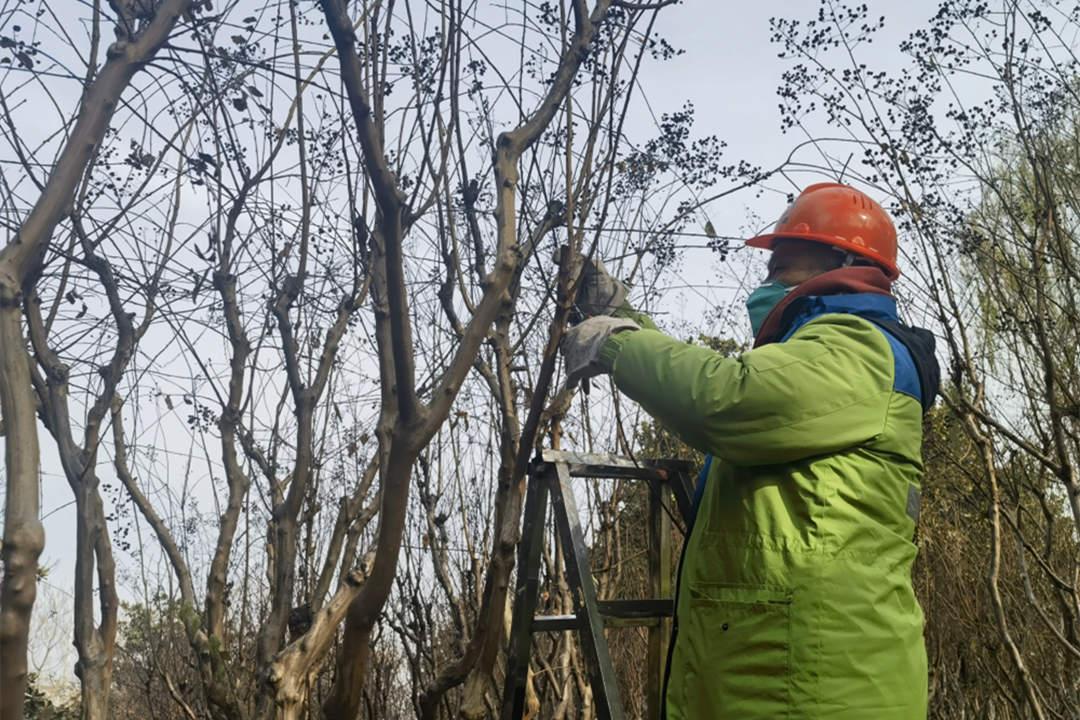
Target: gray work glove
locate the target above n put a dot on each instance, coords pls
(600, 293)
(581, 345)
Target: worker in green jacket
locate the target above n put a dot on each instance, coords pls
(794, 597)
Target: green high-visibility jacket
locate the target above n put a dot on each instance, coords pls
(795, 596)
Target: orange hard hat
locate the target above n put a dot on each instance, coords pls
(840, 216)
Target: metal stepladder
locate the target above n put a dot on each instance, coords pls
(550, 478)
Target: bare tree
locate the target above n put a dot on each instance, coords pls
(406, 424)
(347, 280)
(139, 38)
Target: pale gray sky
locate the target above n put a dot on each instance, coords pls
(730, 71)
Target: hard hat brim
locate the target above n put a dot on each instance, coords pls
(766, 242)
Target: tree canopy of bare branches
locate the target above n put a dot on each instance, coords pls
(281, 291)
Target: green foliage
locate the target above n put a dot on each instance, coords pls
(154, 651)
(40, 706)
(188, 615)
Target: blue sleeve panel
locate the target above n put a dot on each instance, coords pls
(699, 489)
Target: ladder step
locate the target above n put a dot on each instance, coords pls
(555, 623)
(609, 466)
(637, 609)
(617, 613)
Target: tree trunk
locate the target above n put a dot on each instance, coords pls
(20, 263)
(355, 652)
(95, 644)
(24, 536)
(414, 425)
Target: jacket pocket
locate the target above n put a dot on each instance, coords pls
(736, 660)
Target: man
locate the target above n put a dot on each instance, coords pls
(795, 597)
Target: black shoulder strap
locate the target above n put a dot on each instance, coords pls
(920, 343)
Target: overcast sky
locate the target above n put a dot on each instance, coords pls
(730, 72)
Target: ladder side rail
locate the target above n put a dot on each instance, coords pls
(526, 592)
(660, 587)
(605, 686)
(682, 486)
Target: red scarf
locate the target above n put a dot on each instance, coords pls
(842, 281)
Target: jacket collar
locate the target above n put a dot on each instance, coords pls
(867, 305)
(836, 289)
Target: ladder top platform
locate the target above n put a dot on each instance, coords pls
(598, 465)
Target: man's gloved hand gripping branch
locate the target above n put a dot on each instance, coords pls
(600, 293)
(600, 298)
(795, 596)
